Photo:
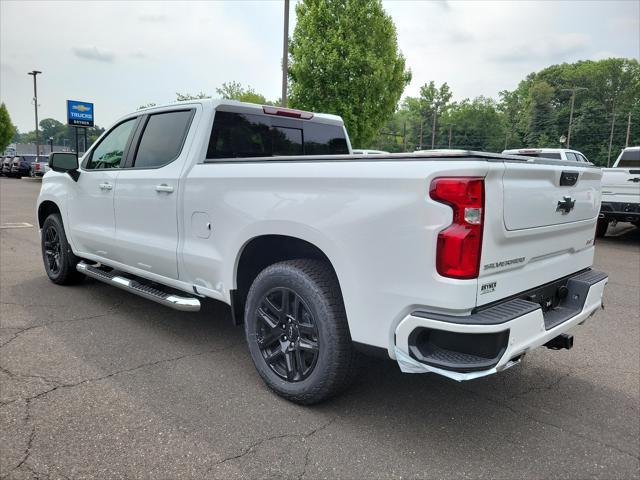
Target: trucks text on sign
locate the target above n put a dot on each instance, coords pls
(79, 114)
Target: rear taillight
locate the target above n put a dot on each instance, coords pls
(460, 244)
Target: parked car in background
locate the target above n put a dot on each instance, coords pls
(6, 166)
(21, 165)
(39, 168)
(455, 262)
(361, 151)
(560, 154)
(621, 191)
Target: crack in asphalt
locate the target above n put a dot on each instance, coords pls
(543, 388)
(254, 446)
(549, 424)
(111, 311)
(30, 400)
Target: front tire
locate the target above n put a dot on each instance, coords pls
(297, 331)
(59, 261)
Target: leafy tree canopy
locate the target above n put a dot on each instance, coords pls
(535, 114)
(7, 129)
(345, 60)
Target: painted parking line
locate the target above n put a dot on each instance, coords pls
(16, 225)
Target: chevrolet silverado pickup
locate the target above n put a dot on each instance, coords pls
(621, 191)
(451, 262)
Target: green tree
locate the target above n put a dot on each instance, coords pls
(230, 91)
(474, 125)
(425, 111)
(52, 128)
(183, 97)
(540, 114)
(7, 129)
(235, 91)
(345, 60)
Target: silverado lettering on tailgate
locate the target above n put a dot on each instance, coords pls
(504, 263)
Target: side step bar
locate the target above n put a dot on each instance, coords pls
(185, 304)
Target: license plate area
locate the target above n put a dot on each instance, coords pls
(564, 298)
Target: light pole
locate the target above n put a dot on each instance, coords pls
(34, 73)
(51, 144)
(573, 100)
(285, 53)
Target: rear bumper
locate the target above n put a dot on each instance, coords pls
(490, 340)
(620, 211)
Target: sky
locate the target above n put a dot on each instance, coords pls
(120, 55)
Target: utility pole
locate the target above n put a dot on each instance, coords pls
(626, 143)
(285, 53)
(433, 129)
(573, 100)
(613, 122)
(450, 130)
(421, 127)
(34, 73)
(404, 135)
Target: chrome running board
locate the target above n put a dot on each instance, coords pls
(185, 304)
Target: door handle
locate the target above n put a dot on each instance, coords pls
(105, 186)
(163, 187)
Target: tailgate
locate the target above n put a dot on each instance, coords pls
(539, 226)
(543, 195)
(621, 185)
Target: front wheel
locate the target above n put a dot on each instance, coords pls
(297, 331)
(59, 261)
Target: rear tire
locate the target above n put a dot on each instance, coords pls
(59, 261)
(297, 332)
(601, 228)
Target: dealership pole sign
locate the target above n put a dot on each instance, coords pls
(79, 114)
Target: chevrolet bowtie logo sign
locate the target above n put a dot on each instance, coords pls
(565, 205)
(79, 114)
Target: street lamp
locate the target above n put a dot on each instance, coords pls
(51, 143)
(34, 73)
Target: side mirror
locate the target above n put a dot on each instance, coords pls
(65, 162)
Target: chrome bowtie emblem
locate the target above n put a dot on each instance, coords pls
(565, 205)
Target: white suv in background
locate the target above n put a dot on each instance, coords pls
(560, 154)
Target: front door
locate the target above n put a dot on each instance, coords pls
(90, 205)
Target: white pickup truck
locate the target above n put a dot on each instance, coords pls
(621, 191)
(451, 262)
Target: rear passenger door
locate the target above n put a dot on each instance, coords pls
(147, 192)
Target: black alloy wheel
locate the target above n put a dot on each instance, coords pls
(287, 334)
(59, 261)
(297, 331)
(52, 250)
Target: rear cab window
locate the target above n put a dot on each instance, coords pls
(245, 135)
(630, 159)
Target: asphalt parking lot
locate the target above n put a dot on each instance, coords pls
(98, 383)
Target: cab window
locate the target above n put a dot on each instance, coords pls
(162, 139)
(110, 150)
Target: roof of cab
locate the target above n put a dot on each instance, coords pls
(243, 107)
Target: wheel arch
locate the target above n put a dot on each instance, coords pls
(45, 209)
(261, 251)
